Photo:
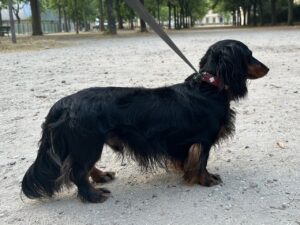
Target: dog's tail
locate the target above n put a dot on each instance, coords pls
(42, 177)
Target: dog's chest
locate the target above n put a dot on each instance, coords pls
(227, 126)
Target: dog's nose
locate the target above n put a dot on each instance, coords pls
(266, 69)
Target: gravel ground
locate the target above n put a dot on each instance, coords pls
(259, 166)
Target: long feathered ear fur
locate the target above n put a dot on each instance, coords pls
(228, 61)
(232, 71)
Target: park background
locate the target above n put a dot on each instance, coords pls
(259, 165)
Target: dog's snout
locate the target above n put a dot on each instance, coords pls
(257, 69)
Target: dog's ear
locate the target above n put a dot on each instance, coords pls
(204, 59)
(232, 70)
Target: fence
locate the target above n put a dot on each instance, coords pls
(25, 27)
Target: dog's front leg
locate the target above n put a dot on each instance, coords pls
(195, 167)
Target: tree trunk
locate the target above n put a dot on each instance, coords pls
(69, 23)
(111, 17)
(254, 13)
(16, 11)
(101, 12)
(143, 24)
(59, 18)
(12, 23)
(239, 22)
(131, 16)
(86, 25)
(36, 17)
(181, 16)
(175, 17)
(131, 24)
(261, 11)
(290, 13)
(186, 8)
(249, 15)
(66, 28)
(76, 18)
(1, 34)
(244, 15)
(119, 15)
(169, 16)
(158, 11)
(233, 13)
(273, 12)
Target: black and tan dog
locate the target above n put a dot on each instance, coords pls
(178, 124)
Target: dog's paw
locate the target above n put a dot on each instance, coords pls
(98, 195)
(208, 180)
(104, 177)
(99, 176)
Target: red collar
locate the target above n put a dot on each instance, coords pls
(211, 79)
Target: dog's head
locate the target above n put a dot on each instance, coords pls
(232, 62)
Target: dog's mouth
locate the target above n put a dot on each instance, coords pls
(256, 69)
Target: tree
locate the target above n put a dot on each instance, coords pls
(101, 11)
(1, 34)
(129, 15)
(273, 12)
(12, 23)
(111, 17)
(119, 14)
(36, 17)
(57, 5)
(261, 11)
(290, 12)
(143, 24)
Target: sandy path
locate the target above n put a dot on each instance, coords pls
(261, 180)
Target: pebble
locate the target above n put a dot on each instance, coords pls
(228, 207)
(12, 163)
(282, 207)
(253, 185)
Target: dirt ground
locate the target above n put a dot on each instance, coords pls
(259, 166)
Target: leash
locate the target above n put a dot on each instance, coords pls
(137, 6)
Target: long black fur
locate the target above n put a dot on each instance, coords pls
(152, 125)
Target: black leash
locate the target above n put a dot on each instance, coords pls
(137, 6)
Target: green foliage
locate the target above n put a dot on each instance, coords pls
(199, 8)
(265, 5)
(82, 10)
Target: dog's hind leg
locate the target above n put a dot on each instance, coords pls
(86, 151)
(99, 176)
(195, 170)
